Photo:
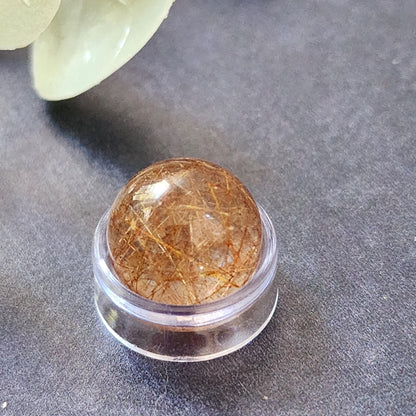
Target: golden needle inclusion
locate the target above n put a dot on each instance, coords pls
(183, 232)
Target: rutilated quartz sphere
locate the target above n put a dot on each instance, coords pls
(184, 232)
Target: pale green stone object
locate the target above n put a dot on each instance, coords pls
(22, 21)
(88, 40)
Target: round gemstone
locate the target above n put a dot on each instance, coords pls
(184, 232)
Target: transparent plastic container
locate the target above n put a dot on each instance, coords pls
(191, 332)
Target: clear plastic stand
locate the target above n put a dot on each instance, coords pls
(186, 333)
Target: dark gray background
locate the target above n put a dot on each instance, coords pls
(312, 104)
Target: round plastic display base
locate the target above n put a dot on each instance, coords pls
(185, 358)
(192, 332)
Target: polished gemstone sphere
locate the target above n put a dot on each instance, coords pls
(184, 232)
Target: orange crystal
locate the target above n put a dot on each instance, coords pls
(184, 232)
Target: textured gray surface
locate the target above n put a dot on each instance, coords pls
(313, 106)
